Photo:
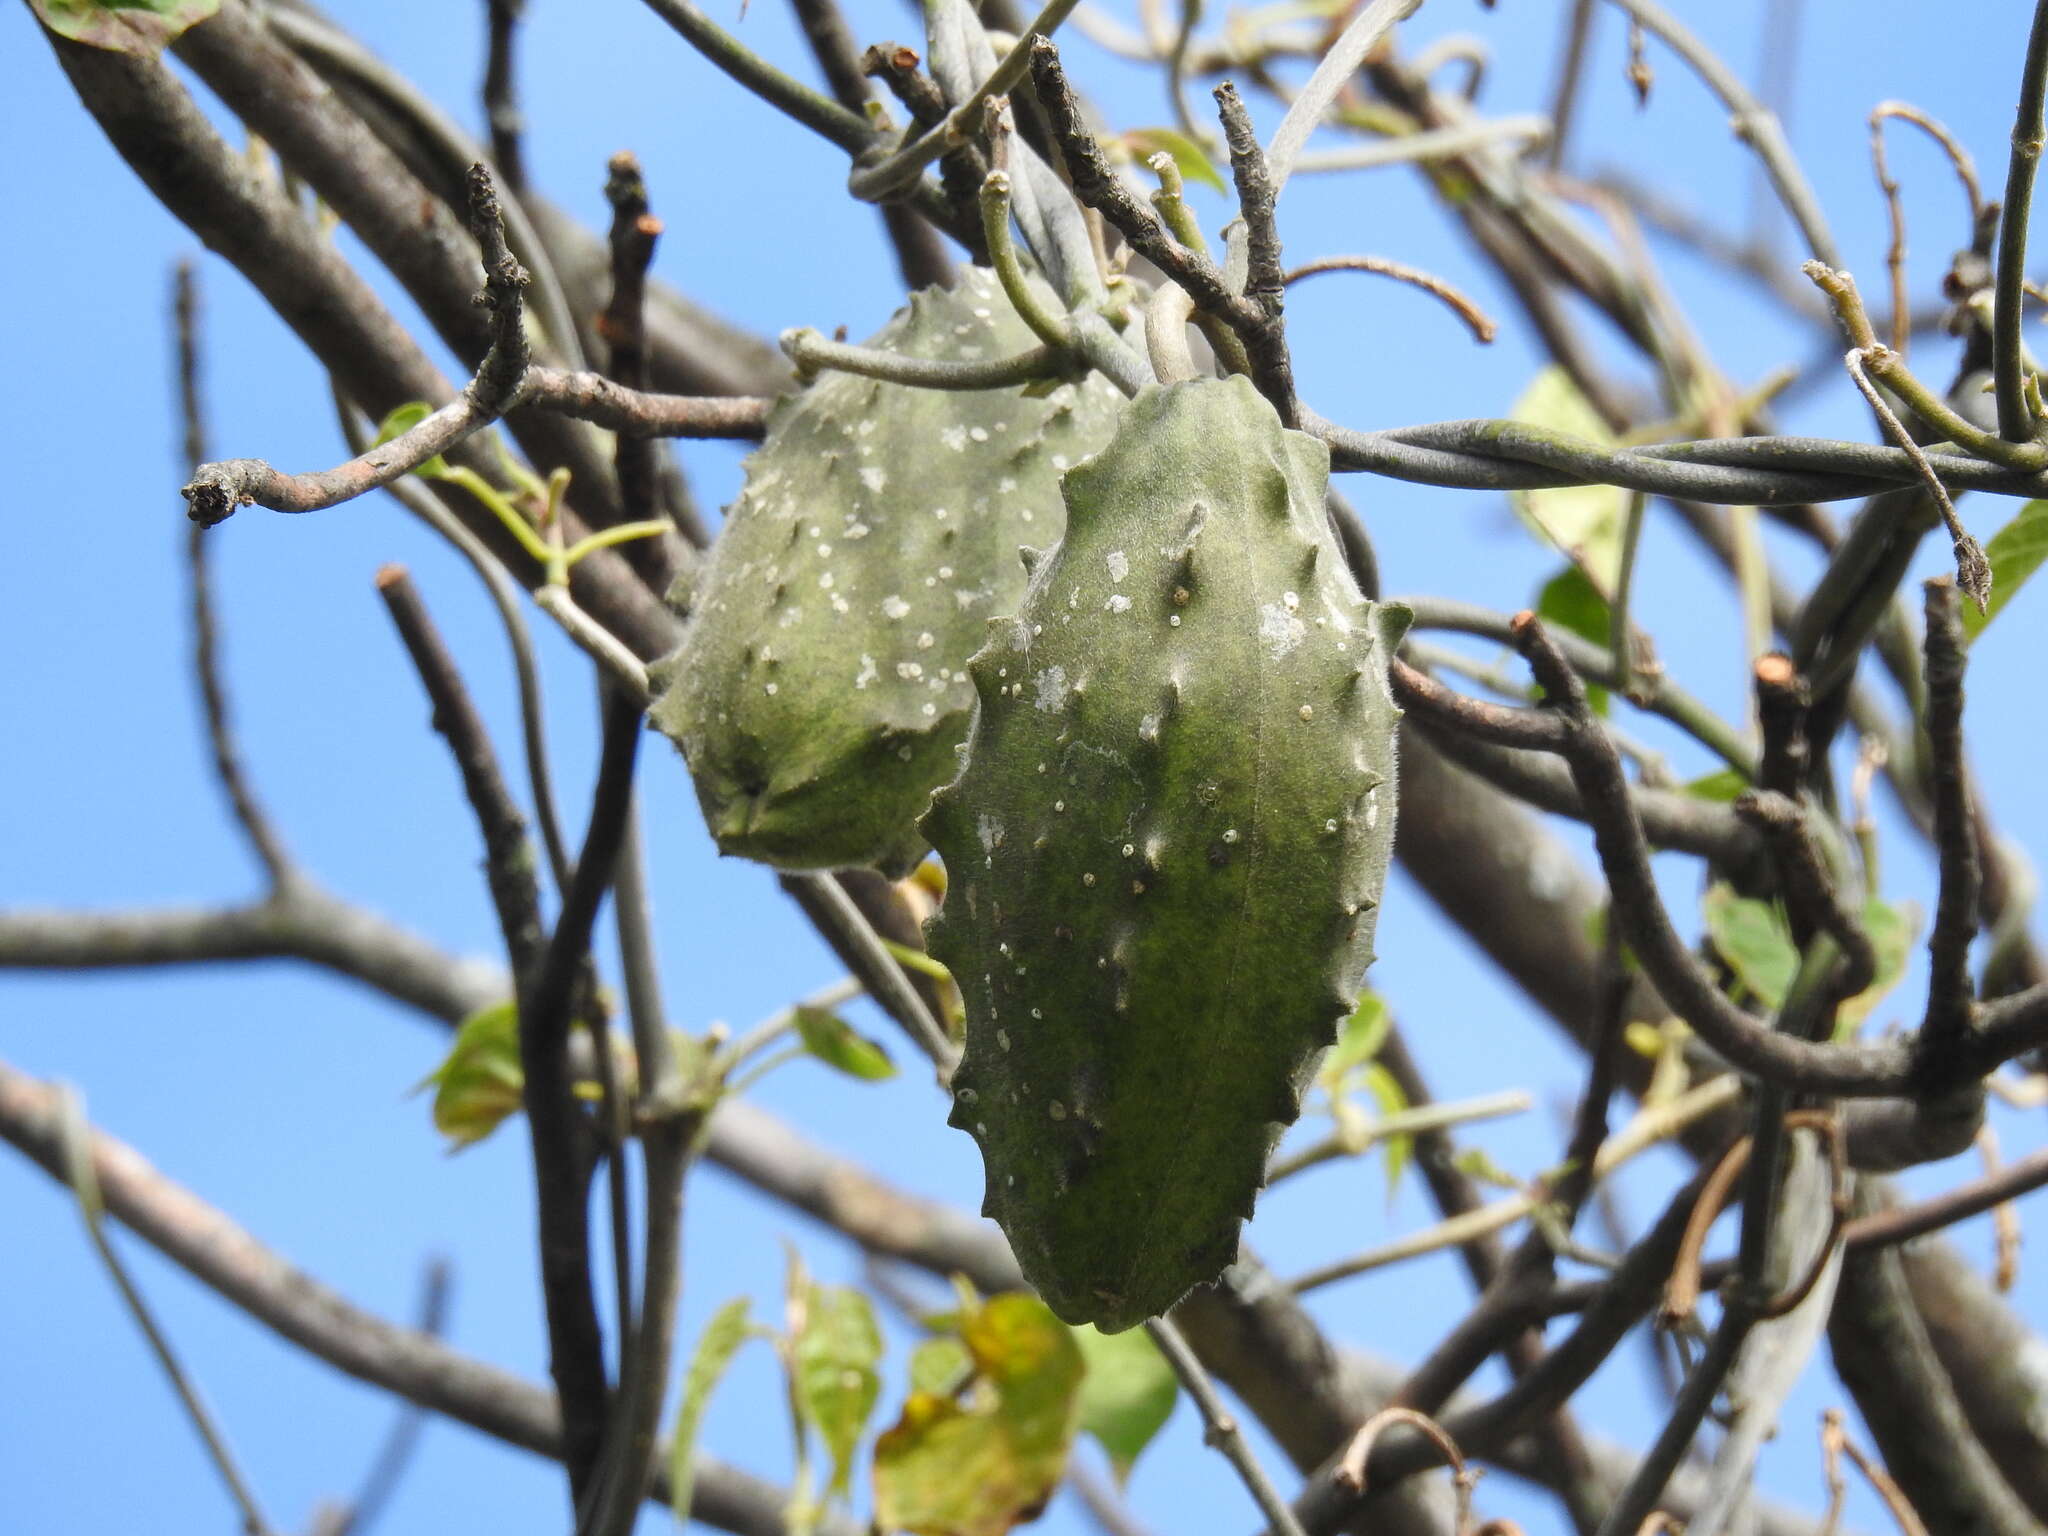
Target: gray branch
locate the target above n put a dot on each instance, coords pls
(418, 1367)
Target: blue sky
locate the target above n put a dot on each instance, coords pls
(281, 1095)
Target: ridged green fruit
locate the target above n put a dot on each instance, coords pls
(821, 687)
(1165, 849)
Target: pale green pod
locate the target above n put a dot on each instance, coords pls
(1165, 849)
(821, 689)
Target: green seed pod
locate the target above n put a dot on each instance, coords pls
(1164, 850)
(821, 691)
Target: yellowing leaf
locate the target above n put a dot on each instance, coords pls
(480, 1082)
(1644, 1039)
(1585, 521)
(143, 27)
(1127, 1395)
(987, 1458)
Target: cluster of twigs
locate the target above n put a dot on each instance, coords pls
(1795, 1124)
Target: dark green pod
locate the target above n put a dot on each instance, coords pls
(1164, 850)
(821, 688)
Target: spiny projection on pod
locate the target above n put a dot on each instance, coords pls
(821, 689)
(1165, 849)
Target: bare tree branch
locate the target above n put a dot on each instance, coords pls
(418, 1367)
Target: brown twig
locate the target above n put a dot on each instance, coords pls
(501, 92)
(1808, 890)
(508, 857)
(388, 1468)
(1476, 319)
(1835, 1442)
(548, 1003)
(649, 482)
(1501, 725)
(921, 256)
(1265, 278)
(562, 1157)
(1351, 1466)
(1950, 993)
(257, 828)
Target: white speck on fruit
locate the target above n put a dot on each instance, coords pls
(1119, 565)
(1052, 689)
(1279, 630)
(1003, 1038)
(1230, 835)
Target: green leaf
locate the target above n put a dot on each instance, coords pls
(836, 1043)
(1722, 786)
(403, 420)
(986, 1459)
(143, 27)
(1358, 1041)
(833, 1358)
(1387, 1094)
(1892, 930)
(2015, 552)
(1476, 1163)
(1127, 1395)
(940, 1366)
(1751, 938)
(721, 1340)
(1194, 164)
(1570, 601)
(1585, 521)
(480, 1081)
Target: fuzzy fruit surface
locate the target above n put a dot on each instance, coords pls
(1165, 849)
(821, 687)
